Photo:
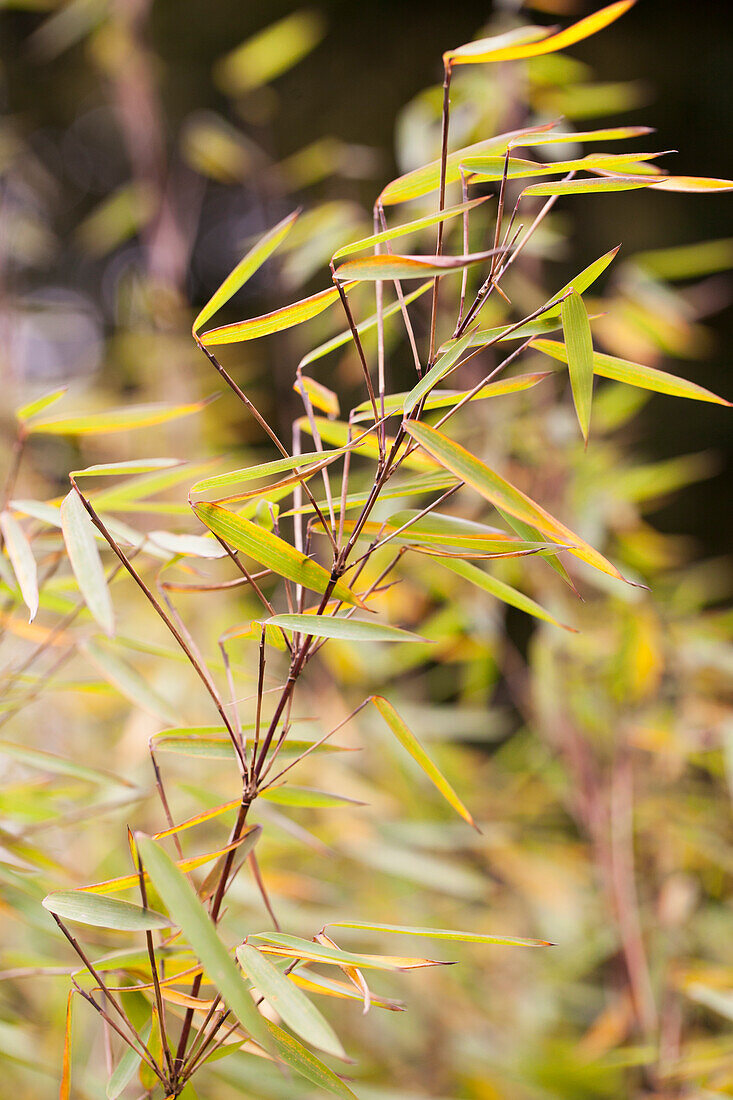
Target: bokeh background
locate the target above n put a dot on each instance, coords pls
(140, 157)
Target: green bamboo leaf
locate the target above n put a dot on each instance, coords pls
(443, 399)
(59, 765)
(306, 798)
(589, 186)
(116, 420)
(388, 266)
(103, 912)
(191, 917)
(346, 336)
(265, 469)
(440, 368)
(290, 1003)
(440, 934)
(408, 227)
(193, 546)
(409, 741)
(295, 1055)
(491, 169)
(695, 184)
(579, 342)
(296, 948)
(460, 537)
(126, 1068)
(267, 323)
(501, 591)
(582, 281)
(271, 551)
(634, 374)
(499, 49)
(338, 433)
(25, 412)
(21, 558)
(203, 741)
(347, 630)
(557, 137)
(245, 269)
(134, 466)
(503, 495)
(270, 52)
(86, 563)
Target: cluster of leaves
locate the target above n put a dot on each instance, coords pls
(327, 573)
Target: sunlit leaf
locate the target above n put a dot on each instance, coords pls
(265, 469)
(102, 912)
(330, 987)
(338, 433)
(504, 495)
(128, 681)
(387, 266)
(271, 551)
(559, 137)
(319, 396)
(695, 184)
(290, 1003)
(295, 1055)
(581, 282)
(245, 269)
(307, 798)
(409, 741)
(22, 560)
(441, 934)
(33, 408)
(268, 323)
(134, 466)
(65, 1088)
(634, 374)
(589, 186)
(500, 590)
(189, 914)
(579, 344)
(408, 227)
(348, 630)
(442, 399)
(445, 363)
(488, 169)
(270, 52)
(81, 546)
(277, 943)
(498, 49)
(117, 420)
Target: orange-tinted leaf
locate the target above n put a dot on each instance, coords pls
(268, 323)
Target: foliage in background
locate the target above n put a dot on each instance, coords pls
(597, 764)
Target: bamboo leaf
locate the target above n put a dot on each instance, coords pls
(128, 681)
(408, 227)
(388, 266)
(331, 987)
(265, 469)
(320, 396)
(306, 798)
(65, 1087)
(634, 374)
(288, 1001)
(497, 50)
(491, 169)
(440, 934)
(21, 558)
(270, 52)
(582, 281)
(409, 741)
(442, 399)
(502, 591)
(557, 137)
(579, 343)
(189, 914)
(271, 551)
(85, 560)
(503, 495)
(267, 323)
(440, 368)
(117, 420)
(694, 184)
(245, 269)
(295, 1055)
(589, 186)
(134, 466)
(338, 433)
(278, 943)
(103, 912)
(126, 1068)
(348, 630)
(25, 412)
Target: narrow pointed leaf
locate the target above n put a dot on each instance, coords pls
(558, 137)
(290, 1003)
(695, 184)
(484, 50)
(589, 186)
(300, 1059)
(501, 591)
(440, 368)
(116, 420)
(128, 681)
(409, 741)
(441, 934)
(265, 469)
(503, 495)
(348, 630)
(21, 558)
(103, 912)
(387, 266)
(442, 399)
(307, 797)
(408, 227)
(86, 563)
(271, 551)
(268, 323)
(338, 433)
(635, 374)
(320, 396)
(582, 281)
(296, 948)
(491, 169)
(579, 343)
(33, 408)
(245, 269)
(191, 917)
(65, 1087)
